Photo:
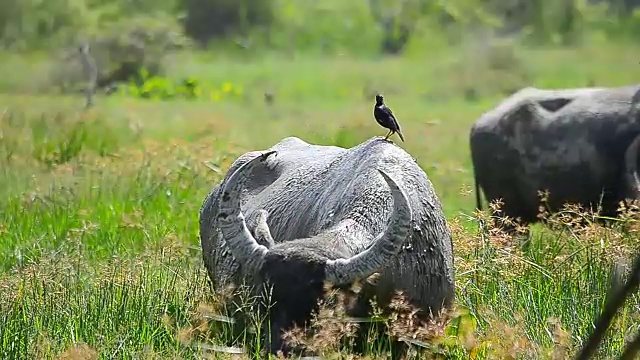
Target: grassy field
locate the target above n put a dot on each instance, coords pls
(99, 248)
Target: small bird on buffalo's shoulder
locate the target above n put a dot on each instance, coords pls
(384, 116)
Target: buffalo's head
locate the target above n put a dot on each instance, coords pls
(297, 270)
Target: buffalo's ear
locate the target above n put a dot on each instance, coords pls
(262, 231)
(257, 224)
(373, 278)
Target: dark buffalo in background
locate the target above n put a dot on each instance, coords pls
(580, 145)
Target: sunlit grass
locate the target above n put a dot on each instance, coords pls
(99, 247)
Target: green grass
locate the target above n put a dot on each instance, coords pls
(99, 224)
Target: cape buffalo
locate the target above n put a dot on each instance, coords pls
(580, 145)
(325, 213)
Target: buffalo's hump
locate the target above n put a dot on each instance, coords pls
(308, 189)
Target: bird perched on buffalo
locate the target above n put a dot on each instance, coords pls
(384, 116)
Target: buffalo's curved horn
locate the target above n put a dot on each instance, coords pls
(242, 245)
(632, 178)
(385, 245)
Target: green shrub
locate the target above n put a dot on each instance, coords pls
(122, 49)
(160, 88)
(208, 19)
(34, 23)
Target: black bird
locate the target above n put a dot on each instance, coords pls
(384, 117)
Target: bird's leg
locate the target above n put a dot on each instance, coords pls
(388, 134)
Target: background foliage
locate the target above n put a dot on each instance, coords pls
(99, 249)
(127, 36)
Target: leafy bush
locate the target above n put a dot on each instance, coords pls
(399, 21)
(36, 23)
(122, 49)
(209, 19)
(160, 88)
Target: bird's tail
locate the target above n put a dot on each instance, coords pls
(400, 134)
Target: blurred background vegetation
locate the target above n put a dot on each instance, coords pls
(91, 190)
(127, 36)
(297, 63)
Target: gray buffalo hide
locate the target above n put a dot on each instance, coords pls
(309, 189)
(572, 142)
